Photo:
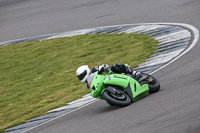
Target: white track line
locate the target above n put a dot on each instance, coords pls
(195, 40)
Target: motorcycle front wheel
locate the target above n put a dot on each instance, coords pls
(118, 100)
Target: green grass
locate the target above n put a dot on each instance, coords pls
(39, 76)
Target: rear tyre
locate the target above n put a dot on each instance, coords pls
(123, 100)
(154, 85)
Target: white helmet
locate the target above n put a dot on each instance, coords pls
(83, 72)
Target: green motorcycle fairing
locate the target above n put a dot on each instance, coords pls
(130, 86)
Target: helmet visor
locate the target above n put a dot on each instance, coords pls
(82, 75)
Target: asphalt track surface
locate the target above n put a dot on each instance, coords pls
(174, 109)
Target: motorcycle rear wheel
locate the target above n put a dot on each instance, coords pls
(113, 100)
(154, 85)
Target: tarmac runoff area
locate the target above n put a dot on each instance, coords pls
(175, 39)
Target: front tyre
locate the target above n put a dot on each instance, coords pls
(154, 85)
(122, 100)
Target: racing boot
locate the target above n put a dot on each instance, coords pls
(137, 75)
(133, 73)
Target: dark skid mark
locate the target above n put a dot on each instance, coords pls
(10, 2)
(189, 3)
(89, 4)
(106, 15)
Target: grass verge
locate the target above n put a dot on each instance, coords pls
(39, 76)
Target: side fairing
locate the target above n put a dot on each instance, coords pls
(117, 79)
(138, 90)
(131, 86)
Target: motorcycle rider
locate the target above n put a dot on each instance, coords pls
(84, 71)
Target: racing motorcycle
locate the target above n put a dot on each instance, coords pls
(121, 89)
